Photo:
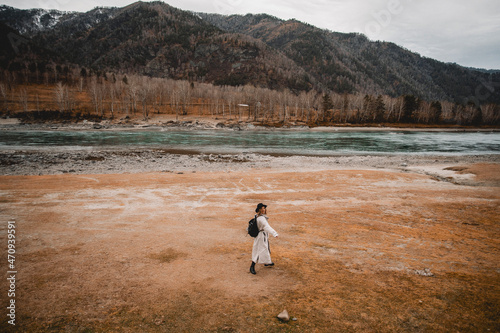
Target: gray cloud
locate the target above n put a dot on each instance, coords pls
(458, 31)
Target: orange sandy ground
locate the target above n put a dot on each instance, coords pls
(165, 252)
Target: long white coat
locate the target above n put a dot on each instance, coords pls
(260, 251)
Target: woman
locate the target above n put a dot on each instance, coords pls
(261, 253)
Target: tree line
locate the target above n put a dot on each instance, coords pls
(105, 95)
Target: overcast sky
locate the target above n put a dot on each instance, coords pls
(462, 31)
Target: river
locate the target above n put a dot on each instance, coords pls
(297, 142)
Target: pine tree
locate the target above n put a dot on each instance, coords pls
(379, 109)
(327, 104)
(436, 112)
(410, 105)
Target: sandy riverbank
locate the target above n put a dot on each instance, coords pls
(359, 250)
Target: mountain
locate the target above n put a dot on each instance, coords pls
(352, 63)
(159, 40)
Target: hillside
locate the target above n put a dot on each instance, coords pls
(33, 21)
(351, 63)
(158, 40)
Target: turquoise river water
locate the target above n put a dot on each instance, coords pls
(268, 142)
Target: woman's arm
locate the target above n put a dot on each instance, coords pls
(264, 225)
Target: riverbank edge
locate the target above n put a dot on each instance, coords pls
(217, 124)
(125, 161)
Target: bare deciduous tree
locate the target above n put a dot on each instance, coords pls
(23, 99)
(184, 90)
(3, 95)
(60, 96)
(491, 114)
(97, 94)
(145, 94)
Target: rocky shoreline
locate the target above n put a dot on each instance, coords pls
(212, 124)
(53, 162)
(158, 124)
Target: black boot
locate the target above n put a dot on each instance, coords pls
(252, 268)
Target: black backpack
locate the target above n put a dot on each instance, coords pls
(253, 228)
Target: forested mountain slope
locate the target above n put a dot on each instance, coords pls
(351, 63)
(158, 40)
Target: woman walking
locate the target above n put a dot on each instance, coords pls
(261, 253)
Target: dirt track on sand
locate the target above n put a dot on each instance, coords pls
(359, 250)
